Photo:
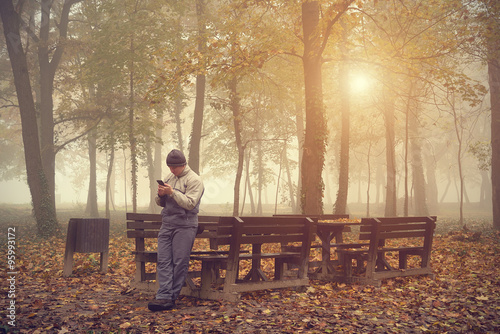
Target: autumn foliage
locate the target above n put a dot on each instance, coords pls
(463, 298)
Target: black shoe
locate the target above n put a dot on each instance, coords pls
(161, 305)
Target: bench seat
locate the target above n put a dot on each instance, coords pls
(225, 257)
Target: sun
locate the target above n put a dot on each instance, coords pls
(359, 83)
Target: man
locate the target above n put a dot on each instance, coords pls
(180, 198)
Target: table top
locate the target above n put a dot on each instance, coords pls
(337, 223)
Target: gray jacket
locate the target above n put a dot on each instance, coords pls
(182, 207)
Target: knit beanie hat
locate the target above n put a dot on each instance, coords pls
(176, 158)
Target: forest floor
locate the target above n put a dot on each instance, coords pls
(464, 297)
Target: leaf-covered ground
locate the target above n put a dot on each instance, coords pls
(463, 298)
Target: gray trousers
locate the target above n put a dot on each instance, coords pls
(174, 249)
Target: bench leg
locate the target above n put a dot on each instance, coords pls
(70, 248)
(347, 265)
(279, 269)
(403, 260)
(208, 276)
(104, 261)
(68, 261)
(140, 271)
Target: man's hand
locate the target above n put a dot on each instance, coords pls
(165, 190)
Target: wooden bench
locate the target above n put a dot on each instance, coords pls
(144, 226)
(229, 236)
(370, 255)
(254, 233)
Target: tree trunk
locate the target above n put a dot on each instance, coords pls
(418, 178)
(278, 179)
(92, 209)
(194, 146)
(235, 107)
(49, 59)
(340, 207)
(485, 192)
(156, 164)
(379, 183)
(368, 166)
(260, 170)
(131, 130)
(390, 144)
(494, 83)
(109, 179)
(246, 183)
(158, 157)
(289, 180)
(299, 119)
(459, 128)
(313, 158)
(177, 117)
(432, 188)
(415, 150)
(47, 72)
(48, 69)
(407, 143)
(153, 185)
(42, 197)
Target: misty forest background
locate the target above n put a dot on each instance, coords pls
(366, 107)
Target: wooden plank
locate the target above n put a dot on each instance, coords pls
(245, 256)
(133, 225)
(143, 216)
(401, 273)
(402, 226)
(406, 219)
(263, 239)
(314, 217)
(146, 257)
(402, 234)
(270, 221)
(274, 229)
(269, 255)
(156, 217)
(142, 234)
(213, 257)
(261, 285)
(208, 219)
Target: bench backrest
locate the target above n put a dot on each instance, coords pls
(319, 218)
(254, 230)
(143, 226)
(397, 227)
(151, 223)
(315, 217)
(262, 230)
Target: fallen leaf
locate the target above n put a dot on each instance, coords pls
(125, 325)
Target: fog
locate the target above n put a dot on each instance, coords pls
(410, 83)
(72, 192)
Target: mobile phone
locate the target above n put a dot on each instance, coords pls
(160, 182)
